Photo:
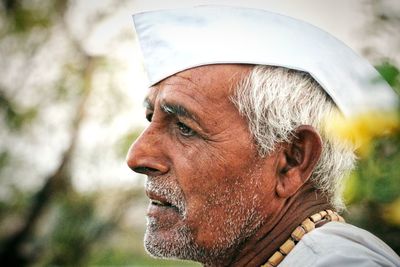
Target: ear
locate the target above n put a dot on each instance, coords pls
(297, 160)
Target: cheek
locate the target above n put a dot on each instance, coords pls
(221, 215)
(221, 200)
(203, 172)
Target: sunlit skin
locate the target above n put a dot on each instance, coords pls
(206, 182)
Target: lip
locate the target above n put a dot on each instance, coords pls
(158, 200)
(159, 204)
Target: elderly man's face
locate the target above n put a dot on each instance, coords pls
(208, 188)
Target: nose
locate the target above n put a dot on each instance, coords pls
(146, 155)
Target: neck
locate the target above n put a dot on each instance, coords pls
(258, 248)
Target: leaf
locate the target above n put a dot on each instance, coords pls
(389, 72)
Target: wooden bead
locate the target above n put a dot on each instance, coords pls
(287, 246)
(329, 212)
(276, 258)
(267, 265)
(335, 217)
(316, 217)
(298, 233)
(323, 213)
(308, 225)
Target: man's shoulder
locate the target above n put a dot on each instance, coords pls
(341, 244)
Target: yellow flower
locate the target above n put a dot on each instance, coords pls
(361, 129)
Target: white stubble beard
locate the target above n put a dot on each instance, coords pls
(181, 244)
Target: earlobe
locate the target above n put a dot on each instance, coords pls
(297, 160)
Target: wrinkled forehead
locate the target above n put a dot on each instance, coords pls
(175, 40)
(216, 82)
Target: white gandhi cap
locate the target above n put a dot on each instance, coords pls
(175, 40)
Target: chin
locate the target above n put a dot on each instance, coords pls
(175, 242)
(178, 243)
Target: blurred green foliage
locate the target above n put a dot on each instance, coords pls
(391, 74)
(76, 227)
(126, 141)
(15, 116)
(373, 189)
(24, 16)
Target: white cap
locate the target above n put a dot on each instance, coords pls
(175, 40)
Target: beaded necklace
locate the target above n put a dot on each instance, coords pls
(309, 224)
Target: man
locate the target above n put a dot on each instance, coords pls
(241, 168)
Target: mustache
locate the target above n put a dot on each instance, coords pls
(168, 190)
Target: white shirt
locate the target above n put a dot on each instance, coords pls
(340, 244)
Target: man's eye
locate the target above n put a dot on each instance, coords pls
(184, 130)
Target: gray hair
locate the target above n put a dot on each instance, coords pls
(276, 101)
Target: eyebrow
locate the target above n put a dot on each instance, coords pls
(173, 109)
(177, 110)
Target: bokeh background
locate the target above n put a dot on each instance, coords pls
(71, 91)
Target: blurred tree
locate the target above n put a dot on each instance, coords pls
(28, 29)
(21, 22)
(373, 189)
